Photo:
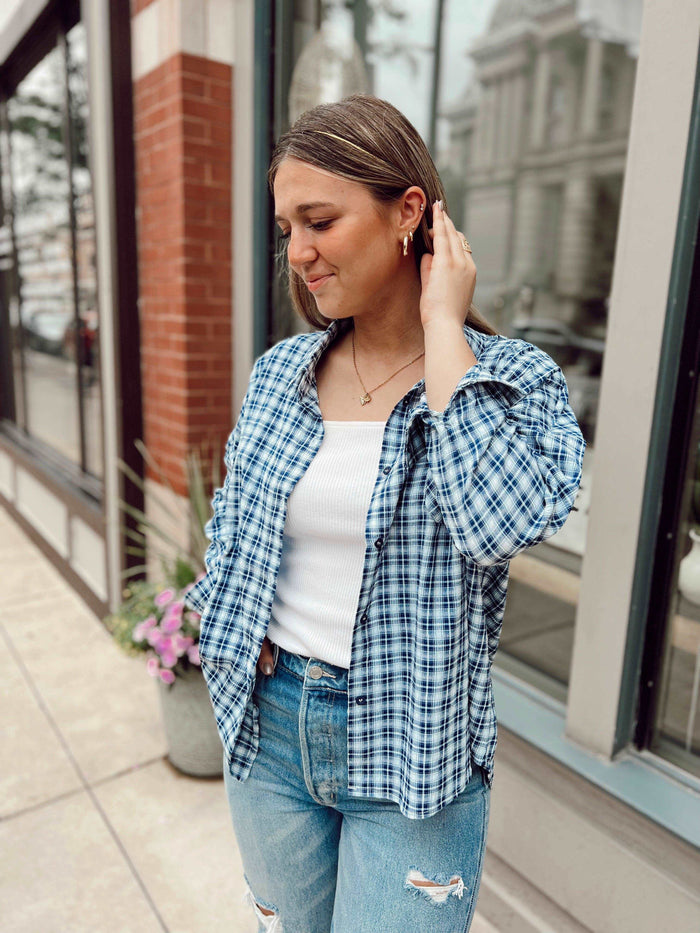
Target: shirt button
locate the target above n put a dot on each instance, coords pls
(364, 617)
(378, 543)
(361, 701)
(387, 470)
(315, 672)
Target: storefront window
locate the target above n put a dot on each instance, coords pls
(47, 257)
(526, 110)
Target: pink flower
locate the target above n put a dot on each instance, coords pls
(182, 643)
(162, 599)
(171, 623)
(142, 629)
(167, 677)
(193, 655)
(168, 659)
(163, 643)
(153, 636)
(152, 666)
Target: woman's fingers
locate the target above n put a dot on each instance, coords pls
(453, 239)
(456, 239)
(266, 661)
(448, 276)
(447, 237)
(440, 240)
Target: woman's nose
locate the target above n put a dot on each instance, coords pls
(300, 249)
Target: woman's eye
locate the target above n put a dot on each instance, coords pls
(320, 225)
(317, 225)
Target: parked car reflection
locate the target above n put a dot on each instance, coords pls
(46, 330)
(53, 331)
(581, 360)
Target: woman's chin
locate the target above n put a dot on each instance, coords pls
(333, 312)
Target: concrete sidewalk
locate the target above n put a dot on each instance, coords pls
(98, 833)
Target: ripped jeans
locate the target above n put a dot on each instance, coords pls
(319, 861)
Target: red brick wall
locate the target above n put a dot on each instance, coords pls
(182, 122)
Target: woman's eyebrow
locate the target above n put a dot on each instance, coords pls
(303, 208)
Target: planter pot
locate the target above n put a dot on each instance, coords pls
(194, 746)
(689, 571)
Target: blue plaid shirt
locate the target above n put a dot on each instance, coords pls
(457, 494)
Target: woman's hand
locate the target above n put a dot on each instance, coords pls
(266, 661)
(448, 277)
(447, 287)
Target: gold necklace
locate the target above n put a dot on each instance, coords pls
(367, 397)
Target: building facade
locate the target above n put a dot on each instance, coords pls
(139, 280)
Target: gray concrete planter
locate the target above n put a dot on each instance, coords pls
(194, 746)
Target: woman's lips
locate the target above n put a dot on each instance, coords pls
(314, 284)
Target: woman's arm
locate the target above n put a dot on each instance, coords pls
(220, 528)
(504, 455)
(506, 469)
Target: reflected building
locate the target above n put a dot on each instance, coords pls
(537, 154)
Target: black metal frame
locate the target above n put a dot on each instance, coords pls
(673, 501)
(53, 25)
(665, 502)
(263, 235)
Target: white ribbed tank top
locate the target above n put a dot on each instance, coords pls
(323, 550)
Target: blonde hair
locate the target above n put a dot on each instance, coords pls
(369, 141)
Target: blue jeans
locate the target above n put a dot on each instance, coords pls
(319, 861)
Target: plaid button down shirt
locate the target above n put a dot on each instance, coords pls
(457, 494)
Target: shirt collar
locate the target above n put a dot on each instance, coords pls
(304, 378)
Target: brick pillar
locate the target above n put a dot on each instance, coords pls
(182, 123)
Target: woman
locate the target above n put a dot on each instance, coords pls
(382, 472)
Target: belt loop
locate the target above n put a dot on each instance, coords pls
(275, 655)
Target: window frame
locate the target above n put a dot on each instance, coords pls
(49, 34)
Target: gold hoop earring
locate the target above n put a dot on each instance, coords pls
(409, 236)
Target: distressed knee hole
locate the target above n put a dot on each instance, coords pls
(435, 891)
(267, 916)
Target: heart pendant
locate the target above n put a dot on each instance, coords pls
(364, 399)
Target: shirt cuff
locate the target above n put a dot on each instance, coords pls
(475, 375)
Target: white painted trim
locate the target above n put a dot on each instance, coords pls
(95, 15)
(198, 27)
(88, 558)
(44, 510)
(645, 244)
(242, 192)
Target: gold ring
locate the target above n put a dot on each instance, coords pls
(466, 247)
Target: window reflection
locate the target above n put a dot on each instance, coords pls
(47, 256)
(528, 116)
(677, 732)
(41, 191)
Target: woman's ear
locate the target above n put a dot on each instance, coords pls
(412, 206)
